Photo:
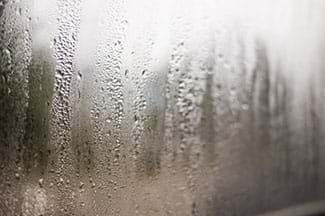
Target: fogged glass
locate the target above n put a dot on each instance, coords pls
(161, 107)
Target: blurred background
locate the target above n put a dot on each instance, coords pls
(161, 107)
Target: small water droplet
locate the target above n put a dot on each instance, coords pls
(79, 75)
(40, 182)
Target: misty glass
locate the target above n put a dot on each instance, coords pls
(161, 107)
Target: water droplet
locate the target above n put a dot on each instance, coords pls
(40, 182)
(79, 75)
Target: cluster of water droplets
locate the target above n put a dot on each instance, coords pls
(159, 107)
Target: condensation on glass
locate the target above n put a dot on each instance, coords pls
(161, 107)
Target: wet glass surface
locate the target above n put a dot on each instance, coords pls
(197, 107)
